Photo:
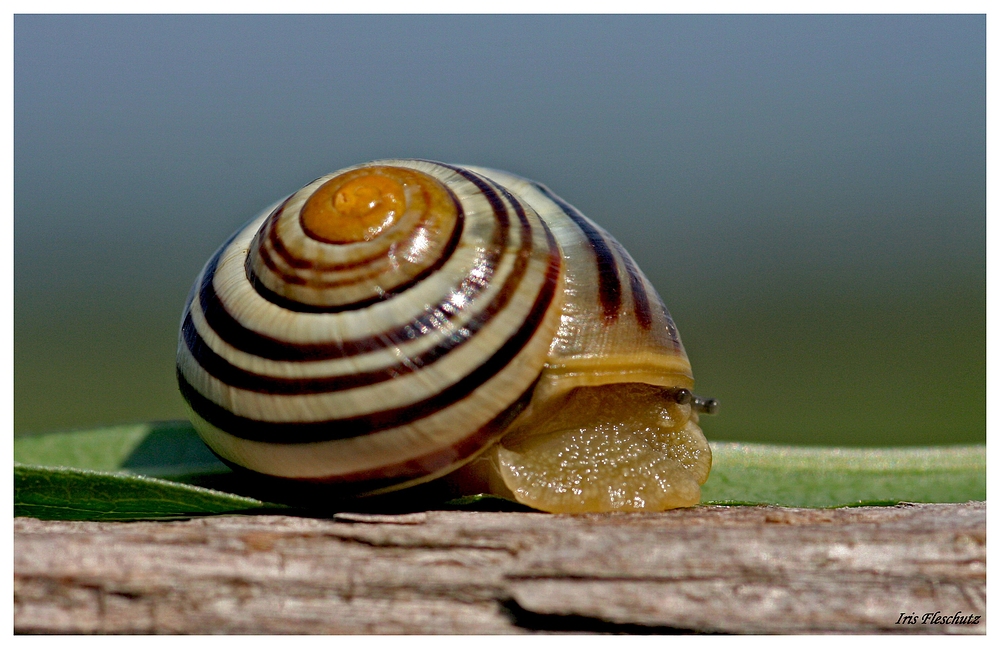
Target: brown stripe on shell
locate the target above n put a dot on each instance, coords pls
(414, 469)
(306, 432)
(484, 185)
(276, 244)
(258, 245)
(675, 337)
(609, 288)
(269, 231)
(385, 292)
(318, 284)
(640, 299)
(296, 262)
(218, 367)
(252, 342)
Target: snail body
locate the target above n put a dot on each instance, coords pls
(390, 322)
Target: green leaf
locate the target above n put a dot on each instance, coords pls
(81, 494)
(167, 449)
(101, 450)
(123, 473)
(159, 470)
(836, 477)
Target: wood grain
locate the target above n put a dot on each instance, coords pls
(706, 569)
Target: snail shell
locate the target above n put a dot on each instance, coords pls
(390, 322)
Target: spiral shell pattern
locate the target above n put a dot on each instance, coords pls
(388, 322)
(373, 355)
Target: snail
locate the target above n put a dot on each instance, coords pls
(394, 321)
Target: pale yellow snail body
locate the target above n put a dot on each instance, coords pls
(391, 322)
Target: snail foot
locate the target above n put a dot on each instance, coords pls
(605, 450)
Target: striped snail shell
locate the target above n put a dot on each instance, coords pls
(390, 322)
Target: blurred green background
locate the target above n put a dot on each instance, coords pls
(807, 193)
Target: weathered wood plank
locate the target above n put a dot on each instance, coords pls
(707, 569)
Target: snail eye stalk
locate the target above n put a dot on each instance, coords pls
(705, 405)
(683, 396)
(680, 395)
